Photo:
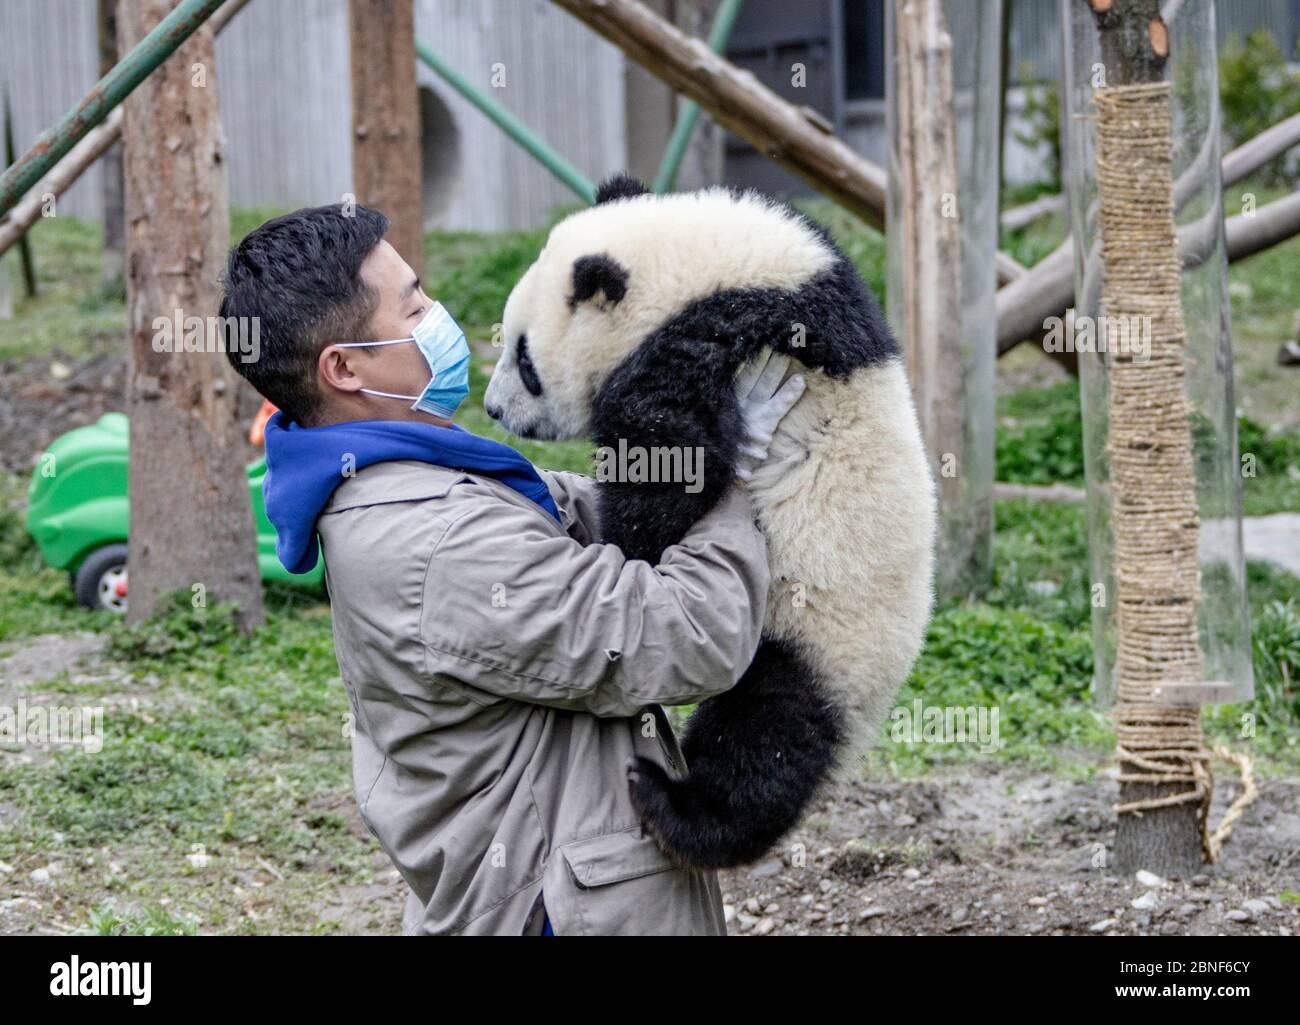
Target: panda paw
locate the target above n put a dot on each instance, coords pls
(650, 788)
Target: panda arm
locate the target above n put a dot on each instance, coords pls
(650, 405)
(514, 610)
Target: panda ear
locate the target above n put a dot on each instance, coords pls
(598, 273)
(620, 186)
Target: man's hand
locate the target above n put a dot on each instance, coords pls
(763, 404)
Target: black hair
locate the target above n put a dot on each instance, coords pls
(300, 276)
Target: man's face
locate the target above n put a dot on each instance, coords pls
(397, 369)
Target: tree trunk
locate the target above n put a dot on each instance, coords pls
(1154, 516)
(111, 264)
(386, 119)
(191, 519)
(930, 239)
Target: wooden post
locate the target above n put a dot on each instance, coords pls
(191, 519)
(6, 291)
(111, 258)
(25, 257)
(930, 236)
(386, 119)
(942, 238)
(1154, 518)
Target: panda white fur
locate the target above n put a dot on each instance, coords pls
(631, 326)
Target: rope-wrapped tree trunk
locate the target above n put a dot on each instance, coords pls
(1164, 767)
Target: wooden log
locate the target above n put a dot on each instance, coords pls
(1047, 289)
(1017, 217)
(1054, 493)
(797, 138)
(386, 120)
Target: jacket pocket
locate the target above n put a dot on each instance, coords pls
(621, 884)
(613, 858)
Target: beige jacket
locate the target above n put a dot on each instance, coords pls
(503, 670)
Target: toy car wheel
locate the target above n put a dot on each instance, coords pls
(101, 581)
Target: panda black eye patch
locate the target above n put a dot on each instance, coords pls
(527, 372)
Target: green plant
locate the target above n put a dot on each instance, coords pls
(1042, 131)
(863, 245)
(178, 634)
(1036, 673)
(1040, 436)
(107, 920)
(1276, 640)
(1270, 468)
(1256, 90)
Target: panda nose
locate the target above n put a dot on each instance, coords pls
(493, 411)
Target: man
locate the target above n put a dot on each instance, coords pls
(503, 668)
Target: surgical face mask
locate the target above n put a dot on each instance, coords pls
(446, 351)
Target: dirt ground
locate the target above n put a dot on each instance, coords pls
(43, 397)
(992, 849)
(986, 850)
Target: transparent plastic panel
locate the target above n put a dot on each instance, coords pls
(1223, 616)
(949, 332)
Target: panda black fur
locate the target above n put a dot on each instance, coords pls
(643, 347)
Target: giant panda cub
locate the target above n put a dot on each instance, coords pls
(631, 327)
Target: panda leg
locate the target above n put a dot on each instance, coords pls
(756, 755)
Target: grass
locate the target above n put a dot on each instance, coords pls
(71, 313)
(221, 801)
(220, 796)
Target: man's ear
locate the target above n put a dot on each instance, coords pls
(335, 371)
(598, 273)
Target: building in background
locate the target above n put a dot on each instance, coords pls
(282, 69)
(286, 106)
(841, 45)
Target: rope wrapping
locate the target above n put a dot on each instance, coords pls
(1149, 446)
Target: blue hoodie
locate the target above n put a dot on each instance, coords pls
(304, 465)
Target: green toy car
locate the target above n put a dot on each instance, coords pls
(77, 510)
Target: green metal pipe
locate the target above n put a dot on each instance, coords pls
(723, 22)
(107, 93)
(509, 124)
